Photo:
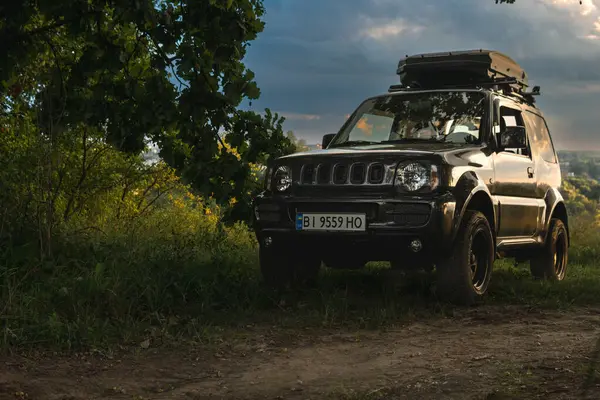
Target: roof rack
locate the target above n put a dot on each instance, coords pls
(503, 86)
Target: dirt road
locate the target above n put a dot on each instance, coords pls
(484, 353)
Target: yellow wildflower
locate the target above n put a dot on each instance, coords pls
(179, 203)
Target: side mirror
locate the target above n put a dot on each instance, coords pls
(327, 139)
(513, 137)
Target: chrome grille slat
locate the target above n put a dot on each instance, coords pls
(340, 174)
(376, 173)
(358, 173)
(324, 174)
(347, 173)
(308, 174)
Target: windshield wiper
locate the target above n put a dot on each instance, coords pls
(354, 143)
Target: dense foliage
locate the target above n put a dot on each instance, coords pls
(87, 225)
(127, 73)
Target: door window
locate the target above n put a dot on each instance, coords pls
(540, 138)
(512, 117)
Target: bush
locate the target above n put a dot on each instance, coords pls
(96, 244)
(585, 239)
(102, 283)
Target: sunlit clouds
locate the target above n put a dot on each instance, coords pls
(379, 29)
(364, 126)
(585, 7)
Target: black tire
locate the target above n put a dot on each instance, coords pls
(281, 268)
(551, 262)
(465, 276)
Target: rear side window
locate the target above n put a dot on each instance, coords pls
(540, 138)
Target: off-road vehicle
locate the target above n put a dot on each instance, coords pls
(451, 169)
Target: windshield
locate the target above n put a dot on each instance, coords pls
(453, 117)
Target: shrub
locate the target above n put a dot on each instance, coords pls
(179, 260)
(585, 239)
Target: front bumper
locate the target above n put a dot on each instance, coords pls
(392, 224)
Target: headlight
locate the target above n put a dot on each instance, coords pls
(283, 178)
(415, 176)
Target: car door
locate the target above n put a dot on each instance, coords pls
(547, 171)
(514, 178)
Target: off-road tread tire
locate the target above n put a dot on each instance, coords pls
(453, 274)
(282, 268)
(542, 265)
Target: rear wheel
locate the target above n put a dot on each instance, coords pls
(551, 262)
(281, 268)
(465, 276)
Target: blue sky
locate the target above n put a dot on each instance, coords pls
(317, 60)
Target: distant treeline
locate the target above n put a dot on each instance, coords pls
(582, 163)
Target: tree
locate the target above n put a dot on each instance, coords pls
(299, 144)
(133, 72)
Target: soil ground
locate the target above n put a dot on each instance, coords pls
(481, 353)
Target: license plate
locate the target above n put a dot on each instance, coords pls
(331, 222)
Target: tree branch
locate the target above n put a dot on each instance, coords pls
(67, 212)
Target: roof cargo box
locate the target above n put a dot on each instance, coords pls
(469, 67)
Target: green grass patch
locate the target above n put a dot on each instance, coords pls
(183, 274)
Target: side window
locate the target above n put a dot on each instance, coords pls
(513, 117)
(540, 138)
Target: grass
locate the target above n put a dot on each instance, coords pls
(185, 275)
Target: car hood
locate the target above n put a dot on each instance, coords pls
(388, 148)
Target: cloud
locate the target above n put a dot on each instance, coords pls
(583, 7)
(383, 30)
(364, 126)
(299, 117)
(322, 59)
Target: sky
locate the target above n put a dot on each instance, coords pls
(316, 60)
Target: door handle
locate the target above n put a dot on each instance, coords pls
(530, 172)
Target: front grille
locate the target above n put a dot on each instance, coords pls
(412, 214)
(358, 174)
(324, 174)
(347, 173)
(308, 174)
(376, 174)
(340, 174)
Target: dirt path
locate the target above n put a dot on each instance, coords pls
(487, 353)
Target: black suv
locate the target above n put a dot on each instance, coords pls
(449, 170)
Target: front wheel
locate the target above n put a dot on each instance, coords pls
(465, 276)
(551, 262)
